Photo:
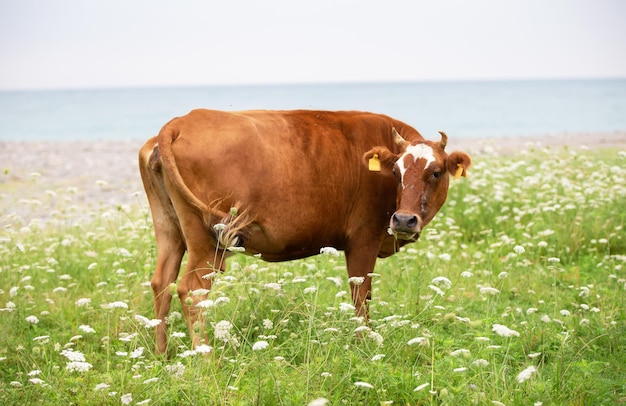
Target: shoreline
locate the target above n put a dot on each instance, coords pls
(40, 177)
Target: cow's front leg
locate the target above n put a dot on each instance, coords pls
(360, 260)
(361, 295)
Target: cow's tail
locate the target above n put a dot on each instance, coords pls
(229, 228)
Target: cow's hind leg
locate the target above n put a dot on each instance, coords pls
(169, 240)
(202, 267)
(170, 253)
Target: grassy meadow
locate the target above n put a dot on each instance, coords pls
(514, 295)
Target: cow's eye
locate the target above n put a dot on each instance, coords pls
(437, 174)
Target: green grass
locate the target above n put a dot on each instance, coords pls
(534, 242)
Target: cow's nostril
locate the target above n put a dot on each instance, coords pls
(394, 221)
(412, 222)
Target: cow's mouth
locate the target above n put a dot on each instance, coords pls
(407, 236)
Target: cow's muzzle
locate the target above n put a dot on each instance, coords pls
(406, 226)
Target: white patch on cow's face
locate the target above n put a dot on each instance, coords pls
(416, 152)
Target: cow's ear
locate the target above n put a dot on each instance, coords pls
(380, 159)
(458, 163)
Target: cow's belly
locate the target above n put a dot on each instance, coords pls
(278, 241)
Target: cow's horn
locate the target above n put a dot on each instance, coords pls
(398, 138)
(444, 140)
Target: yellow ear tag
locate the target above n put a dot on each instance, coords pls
(459, 171)
(374, 163)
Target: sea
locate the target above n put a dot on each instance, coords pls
(464, 109)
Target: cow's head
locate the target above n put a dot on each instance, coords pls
(421, 171)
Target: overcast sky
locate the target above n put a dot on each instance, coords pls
(120, 43)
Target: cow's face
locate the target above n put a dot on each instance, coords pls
(421, 171)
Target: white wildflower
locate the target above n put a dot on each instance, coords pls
(319, 402)
(526, 374)
(205, 304)
(361, 329)
(73, 355)
(273, 286)
(422, 386)
(465, 274)
(442, 282)
(268, 324)
(356, 280)
(199, 292)
(461, 352)
(137, 353)
(260, 345)
(126, 399)
(487, 290)
(480, 362)
(83, 301)
(554, 260)
(376, 337)
(78, 366)
(360, 384)
(115, 305)
(421, 341)
(224, 300)
(519, 249)
(437, 290)
(329, 251)
(146, 322)
(504, 331)
(378, 357)
(32, 319)
(101, 386)
(222, 330)
(9, 307)
(346, 307)
(204, 349)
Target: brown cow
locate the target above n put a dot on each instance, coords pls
(282, 185)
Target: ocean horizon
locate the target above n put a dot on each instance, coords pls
(464, 109)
